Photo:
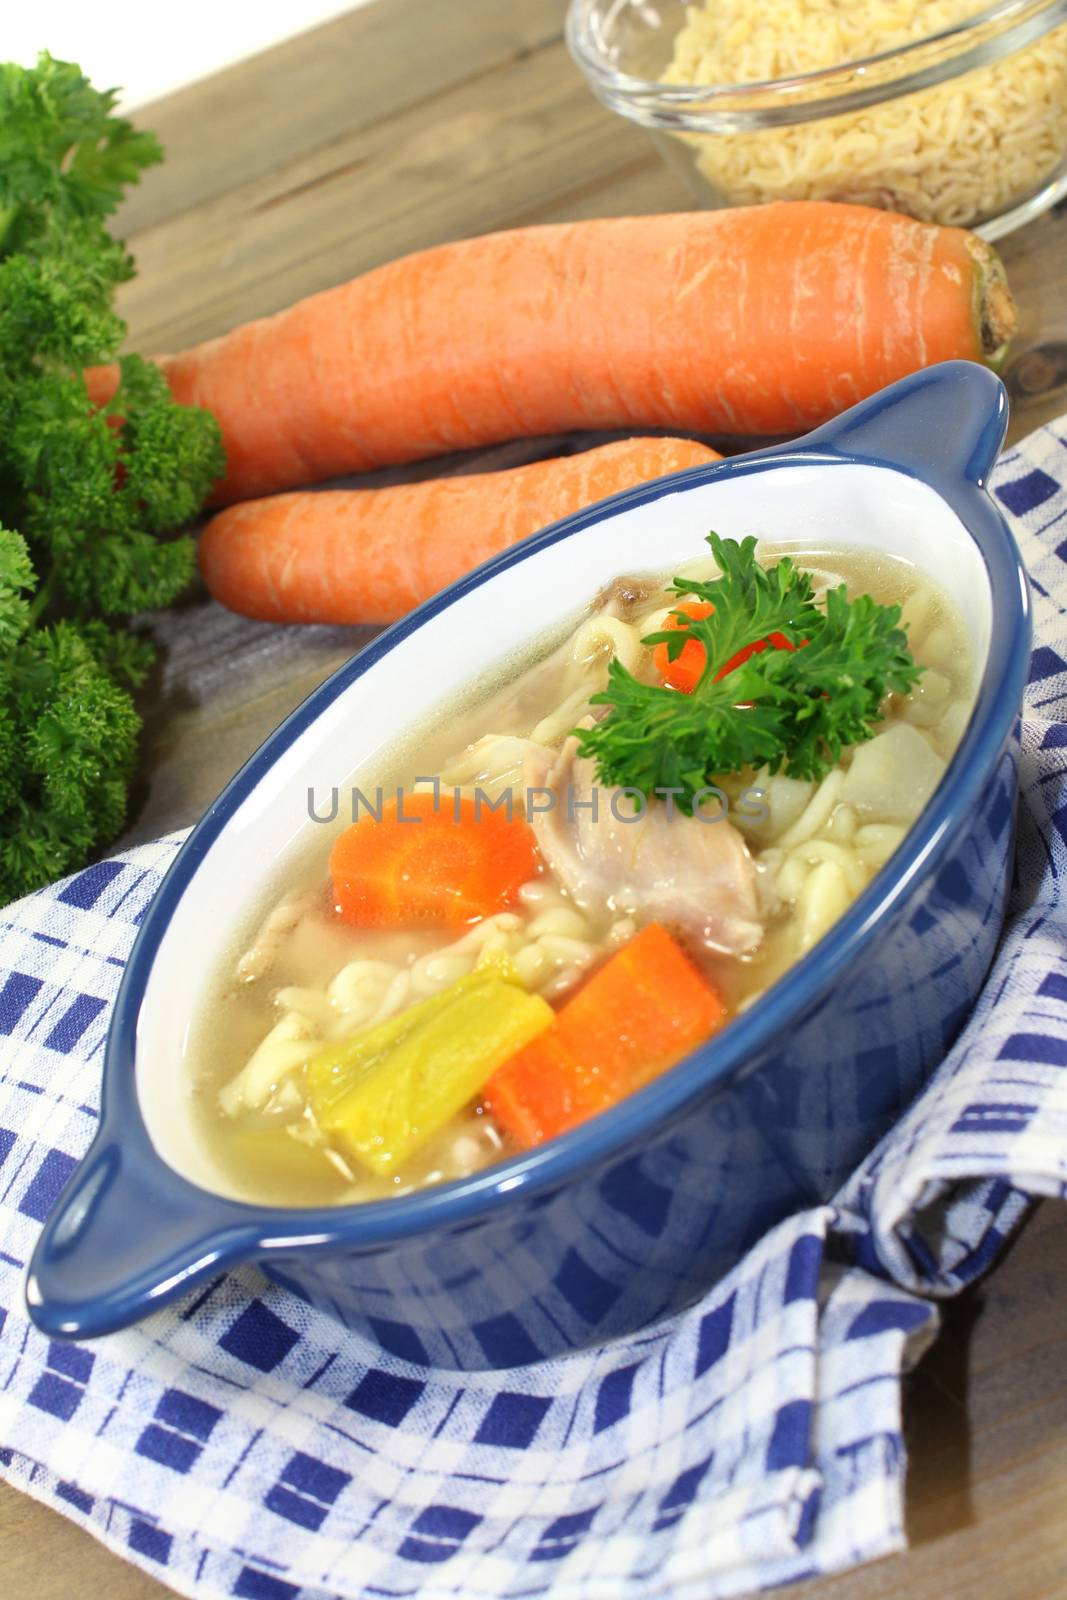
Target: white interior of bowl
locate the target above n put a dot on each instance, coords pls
(872, 507)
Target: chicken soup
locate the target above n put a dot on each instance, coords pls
(580, 874)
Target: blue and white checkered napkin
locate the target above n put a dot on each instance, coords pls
(240, 1444)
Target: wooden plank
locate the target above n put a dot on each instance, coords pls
(1036, 375)
(45, 1557)
(368, 65)
(516, 148)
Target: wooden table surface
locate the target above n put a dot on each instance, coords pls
(402, 125)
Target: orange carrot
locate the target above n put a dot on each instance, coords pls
(687, 668)
(751, 320)
(446, 863)
(369, 555)
(644, 1010)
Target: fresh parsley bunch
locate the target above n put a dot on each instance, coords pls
(85, 493)
(794, 708)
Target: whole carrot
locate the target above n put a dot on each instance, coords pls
(764, 320)
(369, 555)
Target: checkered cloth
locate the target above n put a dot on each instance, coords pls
(239, 1444)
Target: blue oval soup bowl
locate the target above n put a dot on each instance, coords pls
(634, 1214)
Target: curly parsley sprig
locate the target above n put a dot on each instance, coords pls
(96, 495)
(795, 709)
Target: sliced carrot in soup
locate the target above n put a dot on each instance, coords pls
(447, 864)
(644, 1010)
(687, 668)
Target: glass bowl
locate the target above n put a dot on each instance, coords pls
(967, 126)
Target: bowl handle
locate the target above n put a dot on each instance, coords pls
(124, 1238)
(945, 424)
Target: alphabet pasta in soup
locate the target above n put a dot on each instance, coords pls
(557, 889)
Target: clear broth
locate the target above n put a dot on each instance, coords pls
(257, 1155)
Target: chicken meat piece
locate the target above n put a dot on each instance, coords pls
(695, 876)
